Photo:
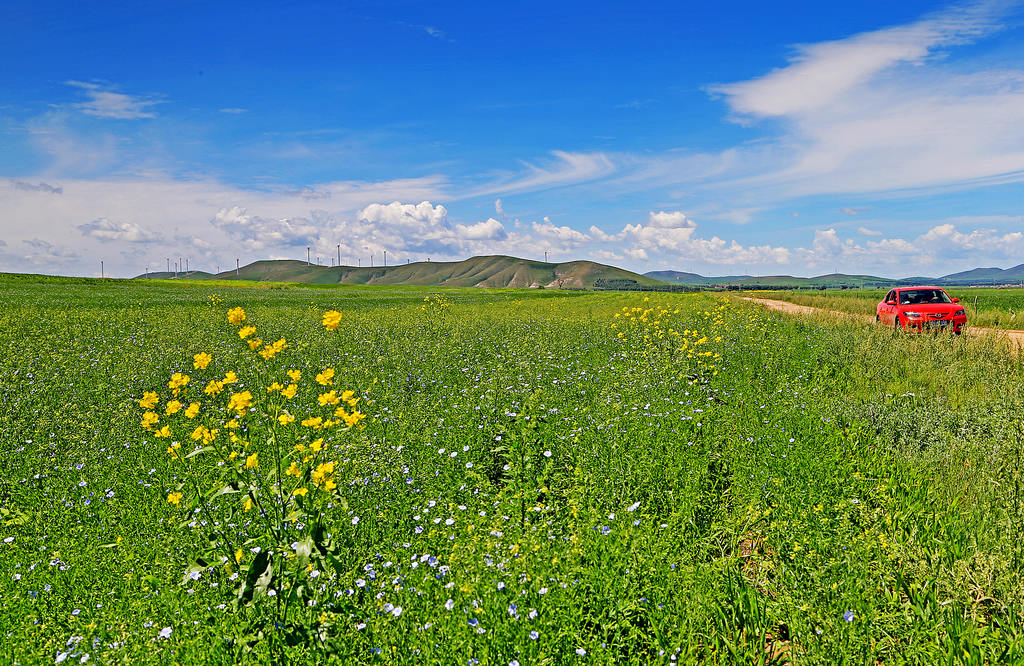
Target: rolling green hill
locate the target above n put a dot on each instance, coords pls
(488, 271)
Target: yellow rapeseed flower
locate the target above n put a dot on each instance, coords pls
(316, 444)
(236, 316)
(325, 378)
(329, 398)
(313, 422)
(246, 331)
(330, 485)
(239, 401)
(294, 470)
(149, 400)
(201, 360)
(178, 380)
(254, 343)
(192, 410)
(174, 498)
(214, 387)
(294, 375)
(300, 491)
(149, 419)
(289, 391)
(285, 418)
(252, 461)
(331, 320)
(163, 432)
(274, 387)
(173, 407)
(229, 377)
(247, 504)
(238, 556)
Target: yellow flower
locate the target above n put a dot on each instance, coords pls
(295, 375)
(254, 343)
(192, 410)
(313, 422)
(246, 331)
(300, 491)
(247, 504)
(252, 461)
(149, 419)
(289, 391)
(201, 360)
(173, 407)
(172, 450)
(267, 353)
(274, 387)
(293, 470)
(214, 387)
(232, 455)
(232, 424)
(330, 485)
(325, 377)
(149, 400)
(285, 418)
(331, 319)
(239, 401)
(316, 444)
(229, 377)
(174, 498)
(329, 398)
(236, 316)
(178, 380)
(238, 556)
(163, 432)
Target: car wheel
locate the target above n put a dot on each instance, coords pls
(896, 324)
(878, 320)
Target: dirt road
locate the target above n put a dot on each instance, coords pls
(1016, 337)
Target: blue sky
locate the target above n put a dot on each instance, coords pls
(872, 137)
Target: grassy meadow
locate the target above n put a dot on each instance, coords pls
(473, 476)
(985, 306)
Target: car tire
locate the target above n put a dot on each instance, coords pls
(878, 320)
(896, 324)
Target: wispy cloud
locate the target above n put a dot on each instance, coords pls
(40, 187)
(104, 102)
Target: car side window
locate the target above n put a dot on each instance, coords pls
(890, 297)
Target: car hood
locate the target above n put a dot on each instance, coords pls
(932, 308)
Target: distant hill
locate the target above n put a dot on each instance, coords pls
(164, 275)
(834, 280)
(487, 271)
(987, 276)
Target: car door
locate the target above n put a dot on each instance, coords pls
(887, 315)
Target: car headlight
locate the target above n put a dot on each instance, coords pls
(913, 315)
(960, 313)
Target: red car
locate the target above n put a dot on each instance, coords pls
(921, 309)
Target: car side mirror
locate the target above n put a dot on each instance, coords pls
(890, 302)
(956, 300)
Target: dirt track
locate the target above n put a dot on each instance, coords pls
(1016, 337)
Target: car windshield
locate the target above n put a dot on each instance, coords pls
(923, 297)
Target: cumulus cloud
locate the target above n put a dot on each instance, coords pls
(103, 102)
(490, 229)
(259, 233)
(103, 229)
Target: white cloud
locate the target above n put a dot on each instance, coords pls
(40, 187)
(103, 229)
(567, 168)
(881, 111)
(490, 229)
(864, 231)
(105, 103)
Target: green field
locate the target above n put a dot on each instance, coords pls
(988, 307)
(539, 477)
